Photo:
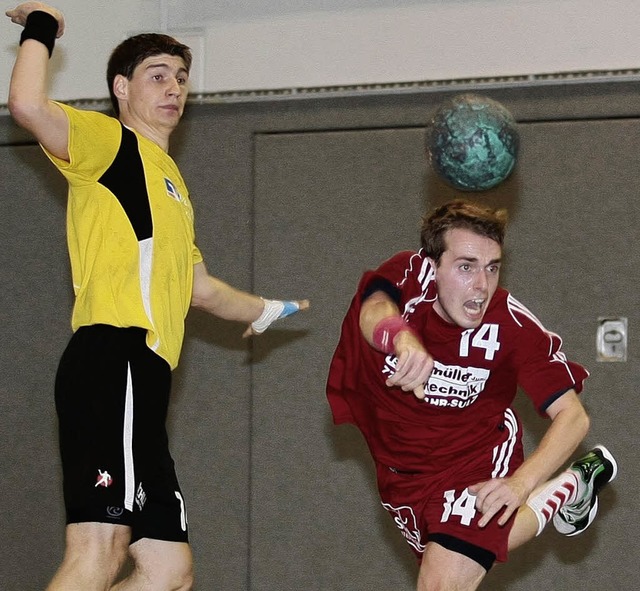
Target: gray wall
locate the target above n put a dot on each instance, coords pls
(295, 199)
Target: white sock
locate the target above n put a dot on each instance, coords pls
(547, 501)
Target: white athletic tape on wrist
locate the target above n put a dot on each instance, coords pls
(273, 310)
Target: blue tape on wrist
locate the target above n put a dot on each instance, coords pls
(289, 308)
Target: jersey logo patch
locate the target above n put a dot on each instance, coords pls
(453, 386)
(449, 386)
(172, 191)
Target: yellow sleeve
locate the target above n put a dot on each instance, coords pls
(94, 139)
(197, 255)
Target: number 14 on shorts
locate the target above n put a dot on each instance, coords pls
(462, 506)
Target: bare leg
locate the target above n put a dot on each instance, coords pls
(159, 566)
(94, 554)
(444, 570)
(525, 528)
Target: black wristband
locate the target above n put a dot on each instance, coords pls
(42, 27)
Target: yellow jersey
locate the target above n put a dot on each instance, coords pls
(130, 231)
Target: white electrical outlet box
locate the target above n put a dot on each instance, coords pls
(611, 339)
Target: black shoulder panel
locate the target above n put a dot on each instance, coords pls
(125, 179)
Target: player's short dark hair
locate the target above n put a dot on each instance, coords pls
(466, 215)
(127, 56)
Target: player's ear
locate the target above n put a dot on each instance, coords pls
(434, 266)
(120, 87)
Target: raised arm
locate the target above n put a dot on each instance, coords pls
(220, 299)
(29, 103)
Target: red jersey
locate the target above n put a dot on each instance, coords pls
(475, 379)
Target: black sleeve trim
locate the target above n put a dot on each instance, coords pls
(554, 397)
(381, 284)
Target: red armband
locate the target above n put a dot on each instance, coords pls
(386, 330)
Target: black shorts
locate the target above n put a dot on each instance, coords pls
(112, 397)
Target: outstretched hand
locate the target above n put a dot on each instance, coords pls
(287, 308)
(19, 14)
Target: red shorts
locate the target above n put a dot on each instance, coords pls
(440, 509)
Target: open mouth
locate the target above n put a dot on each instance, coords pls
(474, 306)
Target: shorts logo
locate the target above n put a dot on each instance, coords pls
(141, 497)
(405, 519)
(115, 512)
(104, 479)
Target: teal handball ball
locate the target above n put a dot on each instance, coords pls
(472, 142)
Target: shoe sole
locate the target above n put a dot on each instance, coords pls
(607, 455)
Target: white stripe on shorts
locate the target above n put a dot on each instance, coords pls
(127, 445)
